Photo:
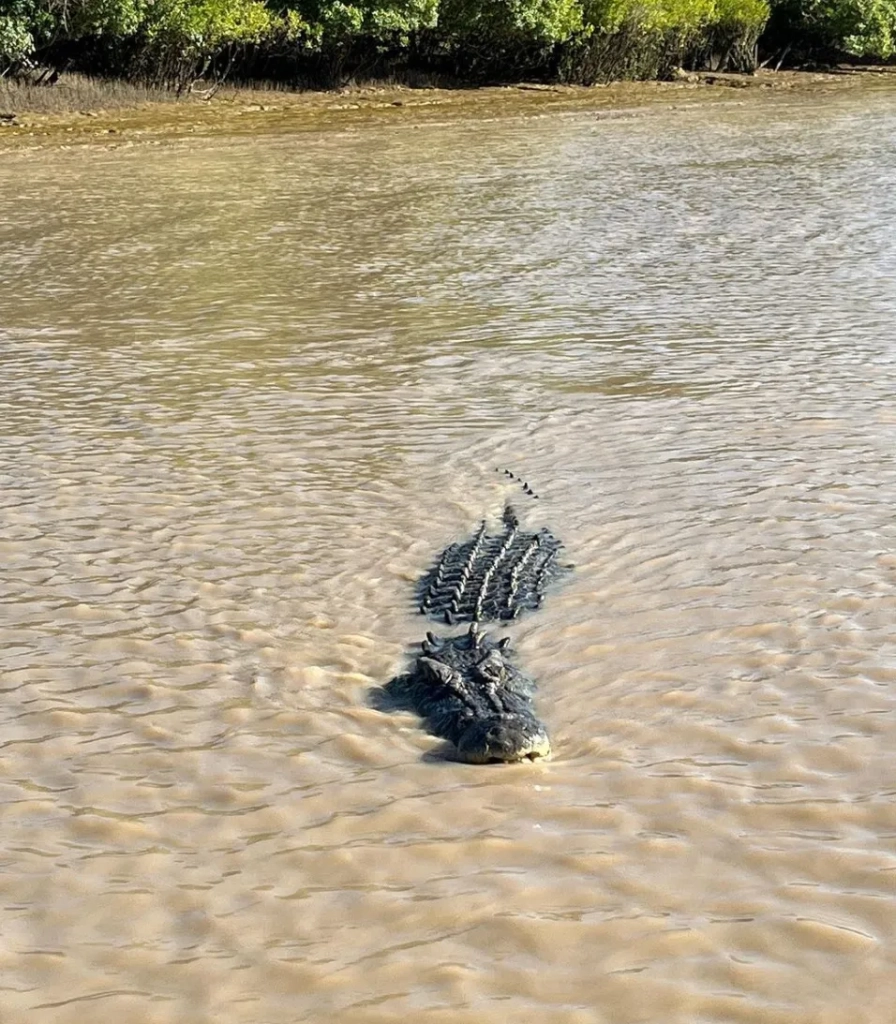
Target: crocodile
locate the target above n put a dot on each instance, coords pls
(471, 693)
(466, 686)
(491, 577)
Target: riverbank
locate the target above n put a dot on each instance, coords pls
(82, 111)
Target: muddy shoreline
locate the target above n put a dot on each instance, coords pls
(260, 111)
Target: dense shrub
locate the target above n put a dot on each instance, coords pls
(18, 20)
(328, 41)
(181, 37)
(638, 39)
(830, 28)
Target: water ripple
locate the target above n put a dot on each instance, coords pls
(251, 388)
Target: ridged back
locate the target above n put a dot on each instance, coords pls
(491, 577)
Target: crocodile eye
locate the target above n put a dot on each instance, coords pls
(491, 668)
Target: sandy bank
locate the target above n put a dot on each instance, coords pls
(258, 111)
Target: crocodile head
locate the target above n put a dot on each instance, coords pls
(504, 739)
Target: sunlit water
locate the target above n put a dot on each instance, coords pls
(251, 388)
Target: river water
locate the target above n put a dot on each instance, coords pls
(251, 387)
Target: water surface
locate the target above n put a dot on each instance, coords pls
(251, 388)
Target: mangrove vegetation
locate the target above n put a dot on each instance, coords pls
(324, 43)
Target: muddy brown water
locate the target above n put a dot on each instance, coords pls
(251, 387)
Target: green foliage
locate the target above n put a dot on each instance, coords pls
(865, 28)
(650, 38)
(507, 21)
(19, 21)
(181, 40)
(204, 25)
(680, 16)
(328, 21)
(79, 18)
(582, 40)
(16, 41)
(647, 15)
(752, 13)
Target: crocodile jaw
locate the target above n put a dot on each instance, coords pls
(504, 740)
